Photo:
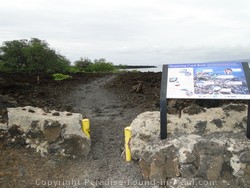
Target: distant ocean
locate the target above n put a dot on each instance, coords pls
(158, 68)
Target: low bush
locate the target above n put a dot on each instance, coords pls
(59, 76)
(100, 67)
(74, 69)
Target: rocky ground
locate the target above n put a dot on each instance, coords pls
(96, 97)
(110, 101)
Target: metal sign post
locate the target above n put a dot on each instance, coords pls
(246, 69)
(163, 103)
(248, 121)
(214, 80)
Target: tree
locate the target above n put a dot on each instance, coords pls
(82, 63)
(101, 65)
(32, 56)
(40, 58)
(12, 54)
(62, 64)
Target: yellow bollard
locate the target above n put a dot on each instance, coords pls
(128, 134)
(86, 127)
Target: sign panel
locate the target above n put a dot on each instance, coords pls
(208, 81)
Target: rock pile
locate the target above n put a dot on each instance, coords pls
(210, 145)
(54, 132)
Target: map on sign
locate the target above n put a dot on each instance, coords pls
(207, 80)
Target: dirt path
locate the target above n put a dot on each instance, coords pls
(108, 117)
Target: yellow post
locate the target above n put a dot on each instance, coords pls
(86, 127)
(128, 134)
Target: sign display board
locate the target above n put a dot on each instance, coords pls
(208, 81)
(216, 80)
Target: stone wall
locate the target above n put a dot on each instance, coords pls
(210, 145)
(53, 132)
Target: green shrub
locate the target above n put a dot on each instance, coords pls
(74, 69)
(100, 67)
(3, 67)
(59, 76)
(82, 63)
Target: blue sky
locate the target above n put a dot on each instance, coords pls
(133, 31)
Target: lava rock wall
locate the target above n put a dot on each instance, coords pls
(210, 145)
(53, 132)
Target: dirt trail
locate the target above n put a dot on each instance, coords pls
(108, 117)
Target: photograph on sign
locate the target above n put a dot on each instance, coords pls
(207, 81)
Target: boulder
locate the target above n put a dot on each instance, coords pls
(209, 159)
(208, 145)
(142, 133)
(50, 132)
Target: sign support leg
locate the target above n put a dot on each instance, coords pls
(163, 103)
(163, 119)
(248, 120)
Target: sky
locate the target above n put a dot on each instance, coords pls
(133, 32)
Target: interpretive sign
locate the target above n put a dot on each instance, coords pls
(215, 80)
(207, 81)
